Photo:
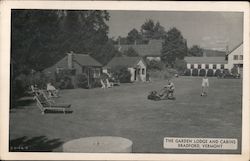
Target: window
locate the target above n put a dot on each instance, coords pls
(214, 66)
(207, 66)
(59, 70)
(199, 66)
(241, 57)
(192, 66)
(222, 66)
(235, 57)
(143, 71)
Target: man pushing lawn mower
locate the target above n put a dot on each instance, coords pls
(166, 93)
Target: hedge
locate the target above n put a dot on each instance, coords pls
(210, 72)
(217, 72)
(187, 72)
(202, 72)
(195, 72)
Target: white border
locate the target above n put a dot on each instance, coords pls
(6, 6)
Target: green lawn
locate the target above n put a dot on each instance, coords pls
(125, 111)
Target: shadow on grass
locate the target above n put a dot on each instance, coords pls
(34, 144)
(21, 103)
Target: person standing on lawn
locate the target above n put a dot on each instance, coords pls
(204, 86)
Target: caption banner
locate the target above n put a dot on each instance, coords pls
(200, 143)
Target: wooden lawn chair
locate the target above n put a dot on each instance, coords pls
(45, 104)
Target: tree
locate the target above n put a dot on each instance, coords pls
(84, 31)
(147, 29)
(195, 50)
(150, 30)
(180, 65)
(33, 38)
(131, 52)
(42, 37)
(134, 36)
(174, 46)
(106, 52)
(159, 31)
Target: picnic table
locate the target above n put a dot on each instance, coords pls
(99, 144)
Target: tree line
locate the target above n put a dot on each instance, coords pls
(39, 38)
(174, 47)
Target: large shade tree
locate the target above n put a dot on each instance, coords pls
(174, 47)
(33, 39)
(40, 38)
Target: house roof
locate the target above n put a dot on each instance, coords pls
(123, 61)
(81, 59)
(235, 48)
(86, 60)
(206, 60)
(153, 48)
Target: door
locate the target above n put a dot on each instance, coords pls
(135, 75)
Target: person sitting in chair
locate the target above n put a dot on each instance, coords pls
(53, 92)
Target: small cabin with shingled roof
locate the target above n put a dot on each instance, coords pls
(74, 64)
(135, 65)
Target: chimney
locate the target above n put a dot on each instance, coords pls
(70, 59)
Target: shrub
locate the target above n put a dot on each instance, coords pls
(234, 70)
(82, 81)
(202, 72)
(217, 72)
(122, 74)
(187, 72)
(180, 65)
(154, 65)
(210, 73)
(226, 72)
(195, 72)
(96, 83)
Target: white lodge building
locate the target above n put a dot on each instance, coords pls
(206, 63)
(233, 58)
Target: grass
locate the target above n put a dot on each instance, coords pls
(125, 111)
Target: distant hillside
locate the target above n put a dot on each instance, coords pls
(213, 53)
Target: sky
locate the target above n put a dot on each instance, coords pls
(210, 30)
